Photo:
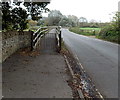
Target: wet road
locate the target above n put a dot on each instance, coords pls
(99, 58)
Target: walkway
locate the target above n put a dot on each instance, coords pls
(48, 43)
(41, 76)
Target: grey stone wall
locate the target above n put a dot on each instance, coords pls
(12, 41)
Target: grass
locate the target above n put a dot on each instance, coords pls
(89, 28)
(85, 31)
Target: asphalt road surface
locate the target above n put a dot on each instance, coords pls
(99, 58)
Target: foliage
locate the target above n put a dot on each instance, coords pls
(35, 9)
(15, 17)
(83, 20)
(19, 17)
(111, 32)
(74, 19)
(41, 22)
(6, 16)
(66, 22)
(54, 18)
(32, 23)
(92, 23)
(75, 29)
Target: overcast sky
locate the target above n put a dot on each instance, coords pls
(99, 10)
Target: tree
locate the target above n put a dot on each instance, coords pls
(64, 22)
(74, 19)
(0, 17)
(32, 23)
(35, 9)
(54, 17)
(13, 18)
(116, 21)
(111, 31)
(19, 17)
(67, 22)
(16, 18)
(42, 21)
(6, 16)
(83, 21)
(94, 23)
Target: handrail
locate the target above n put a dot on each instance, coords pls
(59, 39)
(36, 36)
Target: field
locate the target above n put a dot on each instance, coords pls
(90, 30)
(86, 31)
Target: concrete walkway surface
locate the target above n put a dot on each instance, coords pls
(41, 76)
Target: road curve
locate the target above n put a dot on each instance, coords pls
(99, 58)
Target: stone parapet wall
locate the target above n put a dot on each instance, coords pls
(10, 42)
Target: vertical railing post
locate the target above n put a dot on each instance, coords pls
(60, 41)
(31, 40)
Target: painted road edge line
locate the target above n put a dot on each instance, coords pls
(76, 57)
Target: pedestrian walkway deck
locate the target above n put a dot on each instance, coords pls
(41, 76)
(48, 43)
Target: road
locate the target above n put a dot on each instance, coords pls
(99, 58)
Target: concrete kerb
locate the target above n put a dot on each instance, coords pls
(72, 73)
(73, 76)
